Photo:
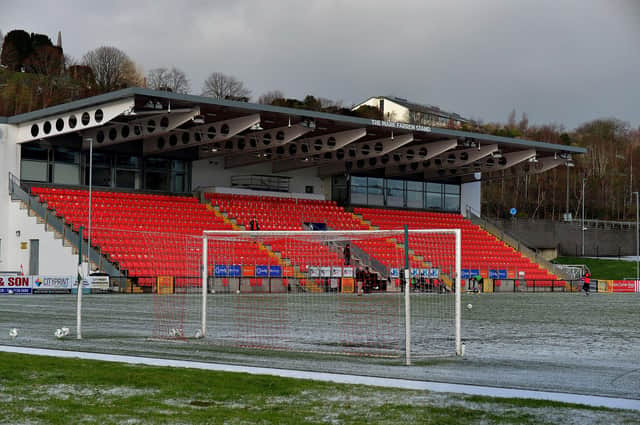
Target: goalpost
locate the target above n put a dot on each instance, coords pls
(387, 293)
(383, 293)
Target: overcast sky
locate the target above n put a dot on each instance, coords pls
(563, 61)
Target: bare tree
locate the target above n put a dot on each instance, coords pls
(1, 42)
(172, 79)
(223, 86)
(112, 68)
(524, 122)
(511, 121)
(268, 97)
(326, 103)
(70, 61)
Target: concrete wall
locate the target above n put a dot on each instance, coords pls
(54, 258)
(9, 162)
(211, 173)
(567, 237)
(237, 191)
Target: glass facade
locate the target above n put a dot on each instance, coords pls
(60, 165)
(379, 192)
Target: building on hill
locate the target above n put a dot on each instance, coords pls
(395, 108)
(147, 141)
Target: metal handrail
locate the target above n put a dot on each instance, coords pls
(364, 257)
(20, 193)
(515, 243)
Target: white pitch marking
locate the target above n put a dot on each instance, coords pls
(407, 384)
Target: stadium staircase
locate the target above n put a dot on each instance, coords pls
(276, 213)
(54, 223)
(300, 280)
(493, 227)
(480, 249)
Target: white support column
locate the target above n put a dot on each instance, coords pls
(205, 284)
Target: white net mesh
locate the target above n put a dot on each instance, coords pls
(328, 292)
(331, 291)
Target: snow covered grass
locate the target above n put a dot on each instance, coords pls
(562, 342)
(46, 390)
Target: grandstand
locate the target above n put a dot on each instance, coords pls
(168, 164)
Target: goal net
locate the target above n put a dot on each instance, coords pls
(385, 293)
(390, 293)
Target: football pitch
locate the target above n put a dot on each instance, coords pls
(562, 342)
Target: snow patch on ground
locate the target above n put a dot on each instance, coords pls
(361, 404)
(65, 391)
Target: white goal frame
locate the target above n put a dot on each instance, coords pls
(346, 233)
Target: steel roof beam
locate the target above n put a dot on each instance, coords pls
(488, 164)
(210, 133)
(542, 165)
(257, 141)
(140, 128)
(300, 148)
(355, 151)
(459, 158)
(411, 163)
(394, 159)
(72, 121)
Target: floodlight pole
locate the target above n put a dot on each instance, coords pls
(637, 237)
(583, 198)
(80, 283)
(79, 297)
(567, 207)
(90, 202)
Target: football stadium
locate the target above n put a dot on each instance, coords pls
(225, 232)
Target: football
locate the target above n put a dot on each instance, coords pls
(59, 333)
(13, 332)
(469, 306)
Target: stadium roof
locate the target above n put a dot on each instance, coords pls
(162, 123)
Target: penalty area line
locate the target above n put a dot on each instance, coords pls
(407, 384)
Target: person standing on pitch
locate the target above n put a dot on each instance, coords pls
(477, 283)
(347, 254)
(586, 283)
